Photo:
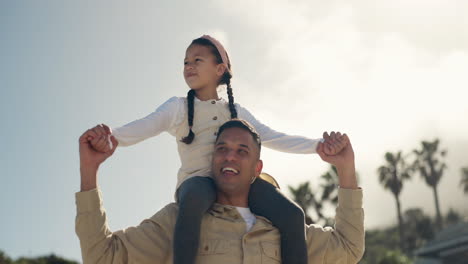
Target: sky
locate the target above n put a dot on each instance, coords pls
(388, 73)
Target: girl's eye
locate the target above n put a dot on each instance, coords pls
(197, 59)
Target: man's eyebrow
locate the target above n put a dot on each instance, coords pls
(245, 146)
(224, 143)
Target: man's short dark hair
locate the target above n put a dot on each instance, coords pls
(240, 123)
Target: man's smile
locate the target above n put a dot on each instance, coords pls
(229, 171)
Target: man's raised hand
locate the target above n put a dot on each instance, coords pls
(91, 144)
(95, 137)
(334, 142)
(342, 160)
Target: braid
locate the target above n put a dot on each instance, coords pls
(190, 98)
(232, 108)
(225, 79)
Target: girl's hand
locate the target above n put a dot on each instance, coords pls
(99, 138)
(90, 159)
(334, 143)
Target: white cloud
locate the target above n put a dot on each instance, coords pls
(375, 70)
(435, 25)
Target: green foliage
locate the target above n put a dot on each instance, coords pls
(4, 259)
(304, 197)
(394, 257)
(382, 244)
(327, 195)
(50, 259)
(464, 180)
(329, 186)
(452, 217)
(378, 242)
(419, 228)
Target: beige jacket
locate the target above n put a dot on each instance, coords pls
(223, 236)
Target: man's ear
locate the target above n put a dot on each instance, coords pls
(258, 168)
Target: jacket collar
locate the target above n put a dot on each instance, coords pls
(230, 213)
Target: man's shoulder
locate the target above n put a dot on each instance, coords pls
(167, 215)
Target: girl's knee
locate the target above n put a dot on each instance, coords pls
(296, 212)
(196, 189)
(194, 199)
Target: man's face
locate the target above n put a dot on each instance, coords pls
(236, 161)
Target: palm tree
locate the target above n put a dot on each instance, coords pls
(391, 176)
(304, 196)
(464, 180)
(329, 195)
(431, 167)
(329, 186)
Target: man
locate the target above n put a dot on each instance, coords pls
(228, 234)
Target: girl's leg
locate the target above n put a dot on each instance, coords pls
(266, 200)
(195, 196)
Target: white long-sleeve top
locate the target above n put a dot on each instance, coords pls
(209, 115)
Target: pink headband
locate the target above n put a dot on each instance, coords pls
(220, 48)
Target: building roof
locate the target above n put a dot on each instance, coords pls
(451, 241)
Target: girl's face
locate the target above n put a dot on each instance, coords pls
(200, 68)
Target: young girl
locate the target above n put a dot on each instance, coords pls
(193, 121)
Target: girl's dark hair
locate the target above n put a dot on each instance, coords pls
(225, 79)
